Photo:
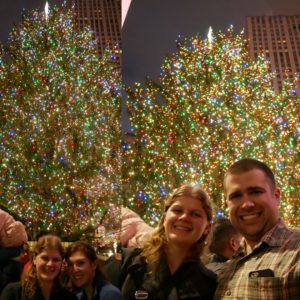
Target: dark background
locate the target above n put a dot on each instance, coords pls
(10, 13)
(152, 26)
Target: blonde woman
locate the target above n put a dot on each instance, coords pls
(169, 266)
(41, 280)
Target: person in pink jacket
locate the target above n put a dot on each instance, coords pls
(134, 230)
(12, 238)
(12, 235)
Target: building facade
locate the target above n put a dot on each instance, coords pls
(279, 38)
(104, 18)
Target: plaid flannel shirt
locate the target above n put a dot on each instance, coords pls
(250, 276)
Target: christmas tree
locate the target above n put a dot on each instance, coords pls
(60, 126)
(211, 106)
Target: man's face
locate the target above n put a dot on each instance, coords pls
(81, 269)
(253, 204)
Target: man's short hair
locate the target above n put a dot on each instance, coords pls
(222, 231)
(249, 164)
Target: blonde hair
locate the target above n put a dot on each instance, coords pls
(29, 279)
(153, 249)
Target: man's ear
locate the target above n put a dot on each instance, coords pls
(233, 244)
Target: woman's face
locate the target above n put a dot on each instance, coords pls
(81, 269)
(185, 222)
(48, 264)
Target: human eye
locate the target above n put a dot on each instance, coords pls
(44, 257)
(196, 214)
(57, 260)
(176, 209)
(234, 196)
(80, 263)
(256, 192)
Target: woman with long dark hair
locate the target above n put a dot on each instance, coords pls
(88, 281)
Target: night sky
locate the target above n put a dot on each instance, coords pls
(152, 26)
(10, 13)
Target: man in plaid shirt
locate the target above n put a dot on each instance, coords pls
(269, 267)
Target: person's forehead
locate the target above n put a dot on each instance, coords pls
(186, 200)
(252, 178)
(78, 255)
(49, 253)
(189, 203)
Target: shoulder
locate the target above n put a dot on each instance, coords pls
(129, 253)
(283, 237)
(110, 292)
(12, 291)
(126, 256)
(282, 227)
(105, 290)
(295, 233)
(216, 267)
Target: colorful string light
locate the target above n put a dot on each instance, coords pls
(60, 126)
(211, 106)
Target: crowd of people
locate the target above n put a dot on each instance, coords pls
(253, 254)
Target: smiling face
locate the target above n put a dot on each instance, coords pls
(185, 222)
(81, 269)
(253, 204)
(48, 264)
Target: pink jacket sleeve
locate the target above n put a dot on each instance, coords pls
(134, 230)
(12, 232)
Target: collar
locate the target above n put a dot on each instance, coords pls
(273, 238)
(277, 235)
(81, 292)
(218, 258)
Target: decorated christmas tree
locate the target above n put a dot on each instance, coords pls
(211, 106)
(60, 126)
